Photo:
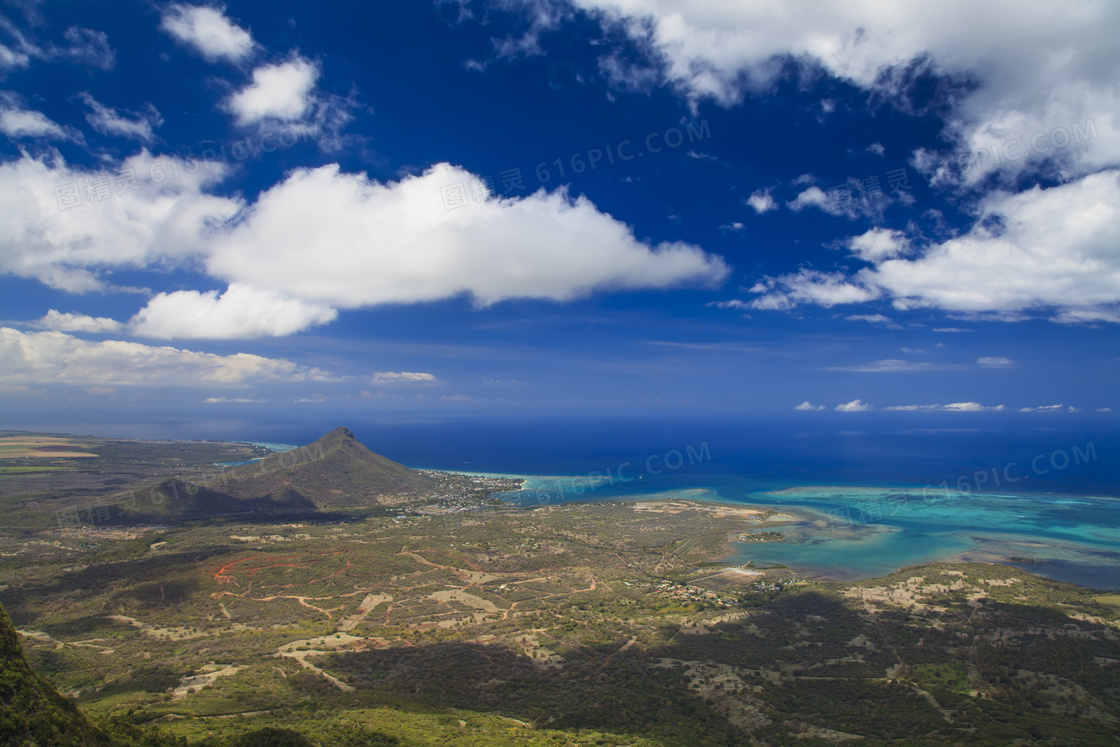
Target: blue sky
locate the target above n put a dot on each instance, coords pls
(216, 214)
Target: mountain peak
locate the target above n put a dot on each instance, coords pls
(336, 470)
(340, 432)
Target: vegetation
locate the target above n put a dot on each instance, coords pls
(443, 616)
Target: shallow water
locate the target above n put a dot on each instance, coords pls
(848, 533)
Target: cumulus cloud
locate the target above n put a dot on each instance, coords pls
(810, 286)
(813, 197)
(807, 405)
(1036, 68)
(285, 92)
(240, 312)
(108, 121)
(68, 322)
(59, 358)
(855, 405)
(878, 244)
(761, 201)
(66, 245)
(396, 243)
(402, 377)
(1042, 250)
(319, 241)
(208, 31)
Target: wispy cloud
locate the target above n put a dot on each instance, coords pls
(856, 405)
(892, 366)
(402, 377)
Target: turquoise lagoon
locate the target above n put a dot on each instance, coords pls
(848, 533)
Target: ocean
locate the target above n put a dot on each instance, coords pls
(1043, 495)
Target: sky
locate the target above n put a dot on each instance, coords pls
(213, 215)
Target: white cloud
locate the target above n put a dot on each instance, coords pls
(807, 405)
(761, 201)
(1036, 69)
(878, 244)
(87, 47)
(1043, 408)
(318, 241)
(18, 122)
(969, 407)
(1043, 249)
(232, 400)
(344, 240)
(58, 358)
(12, 58)
(855, 405)
(809, 286)
(893, 366)
(67, 247)
(875, 319)
(240, 312)
(207, 30)
(813, 197)
(995, 361)
(877, 149)
(284, 91)
(952, 407)
(68, 322)
(1056, 249)
(108, 121)
(402, 377)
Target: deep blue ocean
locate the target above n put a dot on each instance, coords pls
(874, 495)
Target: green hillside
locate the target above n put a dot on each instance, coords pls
(33, 712)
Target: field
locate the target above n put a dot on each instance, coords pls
(43, 447)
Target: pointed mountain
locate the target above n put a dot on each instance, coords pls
(337, 471)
